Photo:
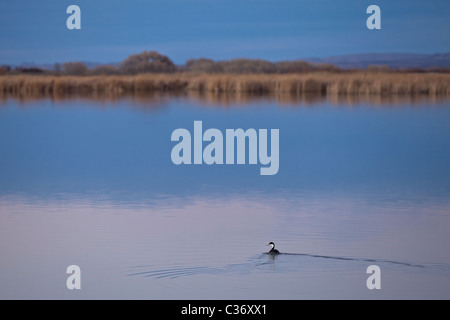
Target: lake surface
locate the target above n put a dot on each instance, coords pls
(91, 183)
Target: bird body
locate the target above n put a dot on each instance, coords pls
(273, 250)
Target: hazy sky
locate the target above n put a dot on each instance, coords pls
(35, 31)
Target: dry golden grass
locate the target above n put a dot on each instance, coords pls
(349, 83)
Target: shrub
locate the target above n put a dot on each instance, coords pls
(74, 68)
(147, 61)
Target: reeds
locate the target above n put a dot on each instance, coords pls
(326, 83)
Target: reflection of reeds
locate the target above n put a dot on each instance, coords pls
(319, 83)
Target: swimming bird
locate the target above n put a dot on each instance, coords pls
(273, 250)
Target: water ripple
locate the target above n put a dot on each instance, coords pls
(262, 262)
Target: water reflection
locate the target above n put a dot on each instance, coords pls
(76, 148)
(147, 101)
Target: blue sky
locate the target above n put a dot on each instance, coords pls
(35, 31)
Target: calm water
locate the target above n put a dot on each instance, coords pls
(92, 184)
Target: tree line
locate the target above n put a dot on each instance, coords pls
(154, 62)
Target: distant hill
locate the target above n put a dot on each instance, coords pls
(393, 60)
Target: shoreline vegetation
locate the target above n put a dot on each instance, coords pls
(322, 83)
(151, 72)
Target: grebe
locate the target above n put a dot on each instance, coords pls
(273, 250)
